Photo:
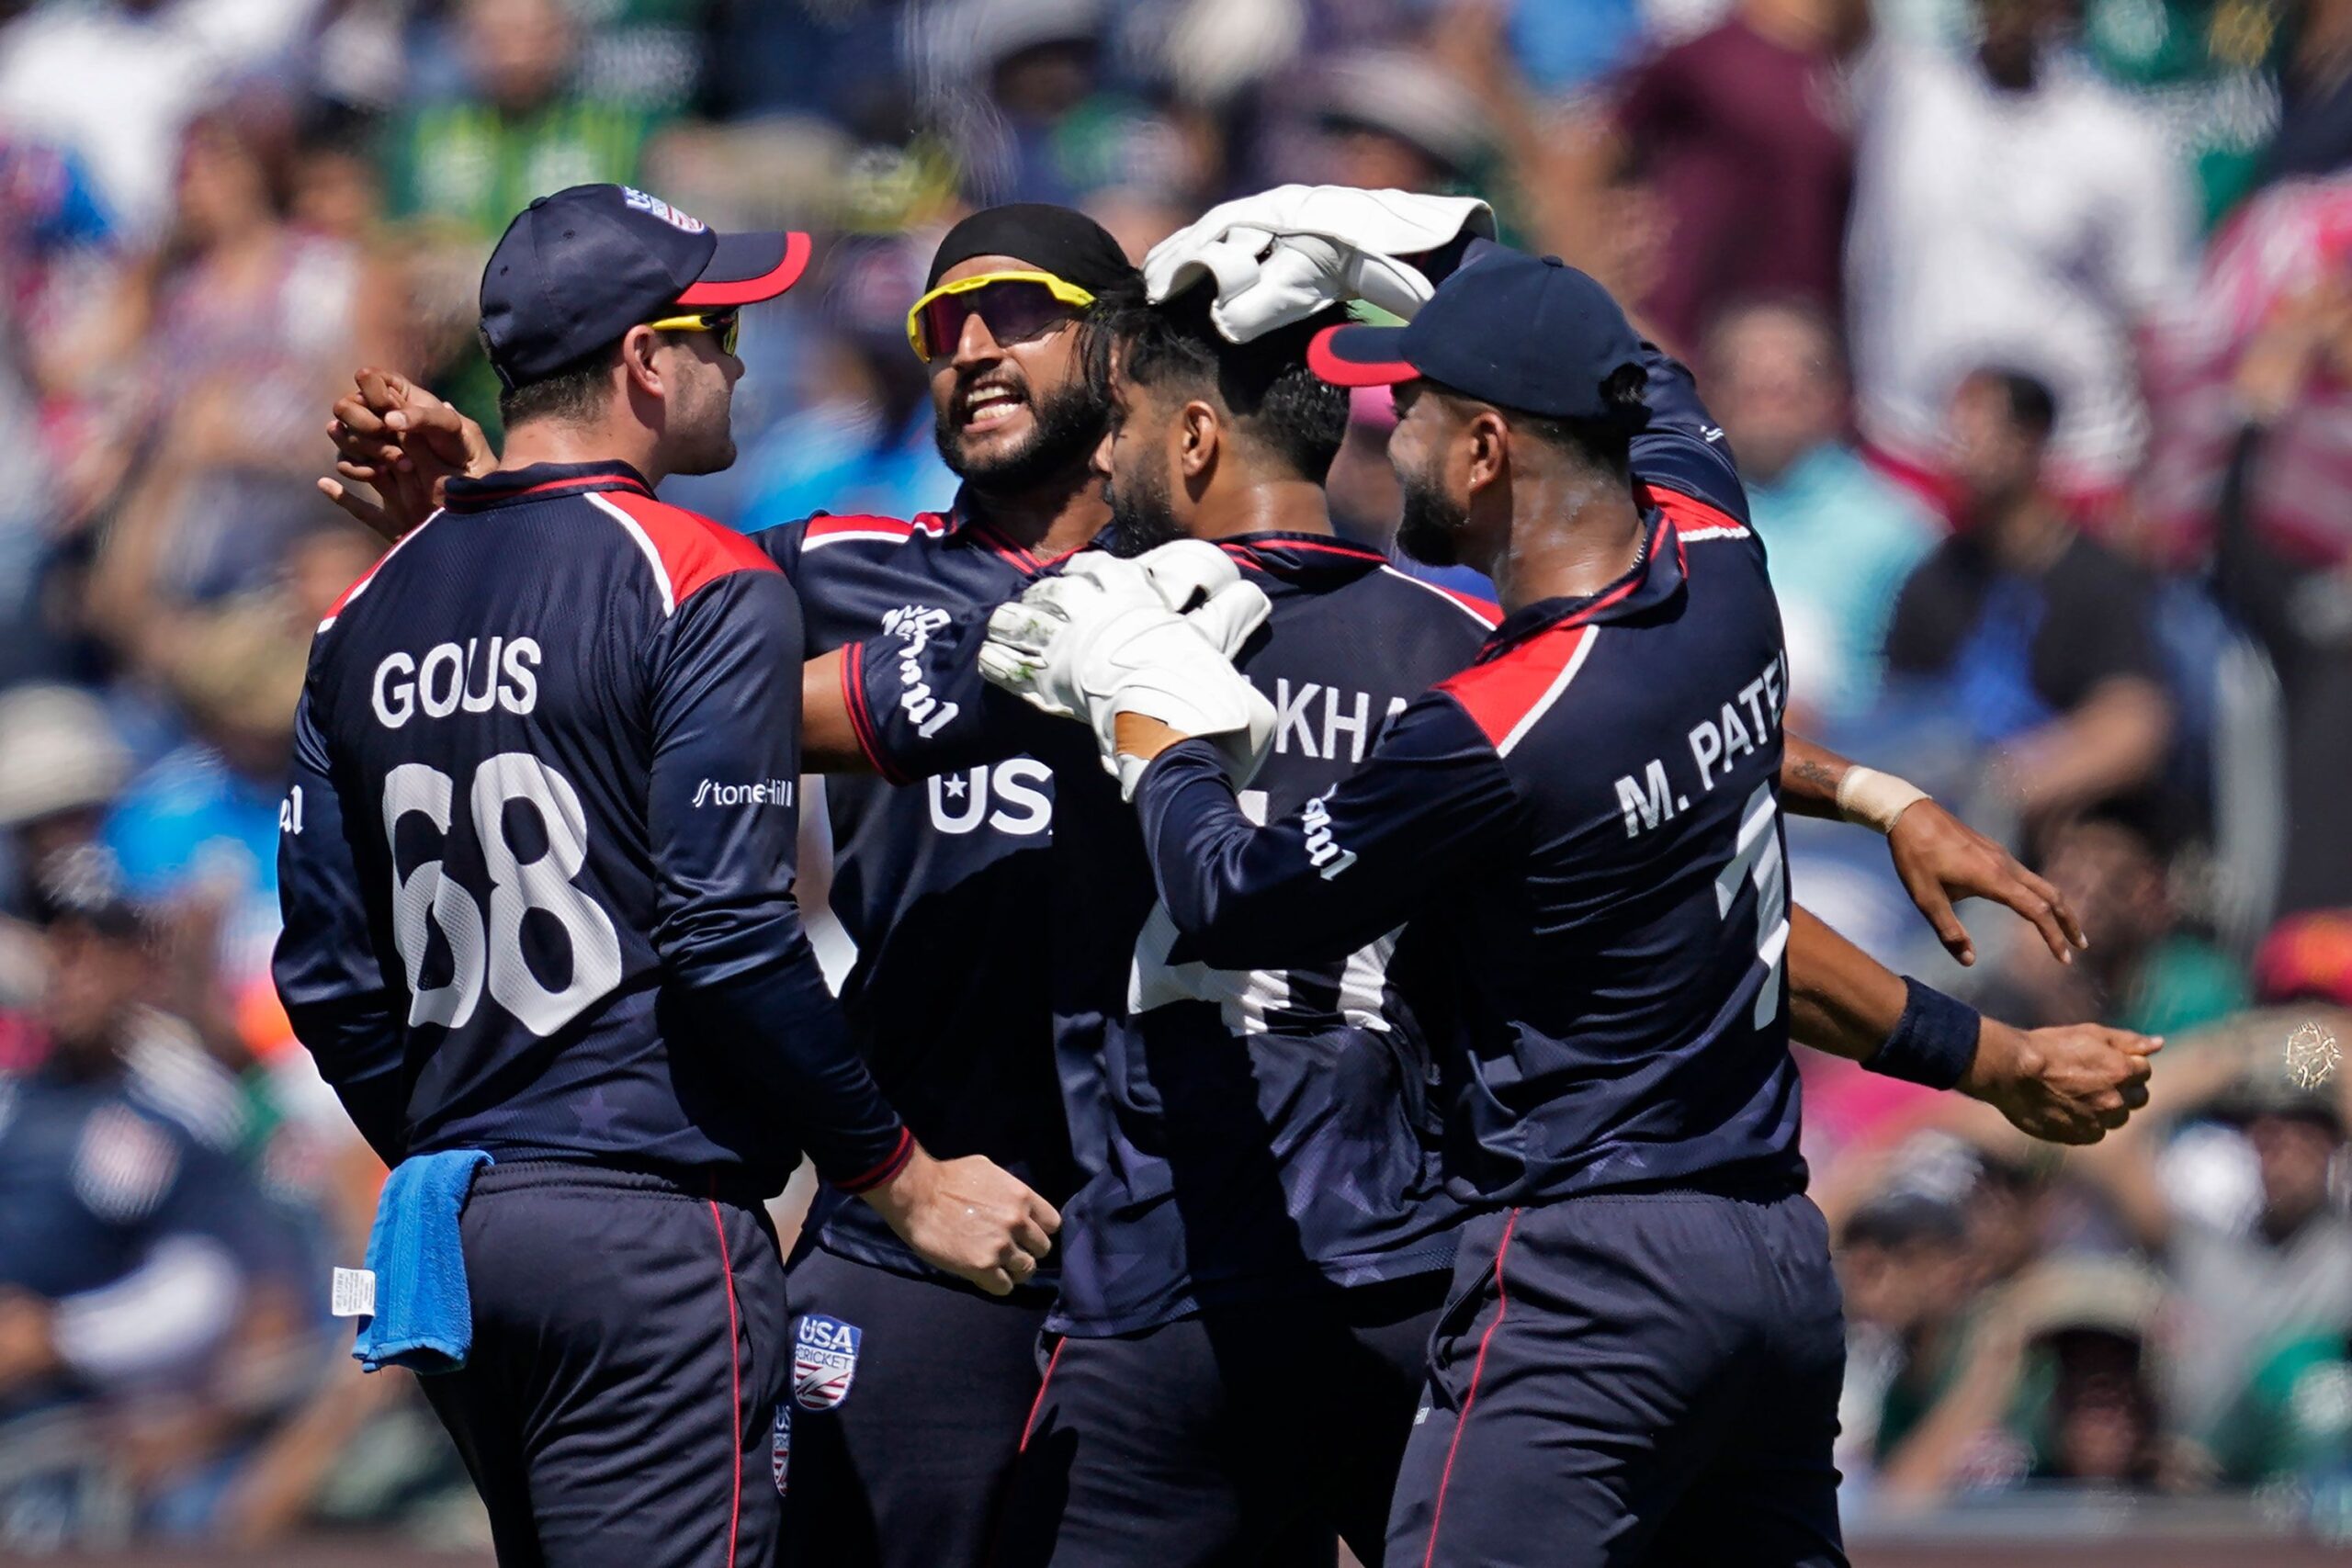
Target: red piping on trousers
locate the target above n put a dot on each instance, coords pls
(1470, 1398)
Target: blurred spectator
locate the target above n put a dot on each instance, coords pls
(2292, 586)
(863, 439)
(225, 340)
(520, 127)
(1903, 1260)
(2207, 74)
(2023, 629)
(2242, 1283)
(61, 766)
(2146, 971)
(1743, 134)
(1390, 121)
(115, 81)
(197, 833)
(1841, 537)
(519, 131)
(150, 1318)
(2314, 134)
(2008, 209)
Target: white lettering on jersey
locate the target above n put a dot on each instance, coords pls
(913, 624)
(1647, 804)
(765, 792)
(1716, 742)
(960, 801)
(1322, 850)
(449, 678)
(1343, 712)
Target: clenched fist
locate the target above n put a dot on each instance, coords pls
(970, 1216)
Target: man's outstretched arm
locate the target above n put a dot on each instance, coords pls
(2066, 1085)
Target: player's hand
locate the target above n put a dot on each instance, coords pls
(2067, 1085)
(1100, 640)
(393, 435)
(970, 1216)
(1281, 255)
(1942, 860)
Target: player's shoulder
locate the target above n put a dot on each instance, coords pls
(860, 533)
(1508, 693)
(685, 551)
(1463, 614)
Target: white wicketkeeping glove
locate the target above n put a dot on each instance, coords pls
(1283, 255)
(1102, 639)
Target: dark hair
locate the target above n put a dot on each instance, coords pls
(573, 392)
(2033, 407)
(1274, 398)
(1606, 443)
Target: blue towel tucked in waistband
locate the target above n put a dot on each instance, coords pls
(424, 1321)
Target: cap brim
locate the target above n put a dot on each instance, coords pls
(748, 268)
(1355, 354)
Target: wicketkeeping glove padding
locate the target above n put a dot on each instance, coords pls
(1283, 255)
(1101, 639)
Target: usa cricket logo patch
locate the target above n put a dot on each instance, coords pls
(824, 1359)
(780, 1446)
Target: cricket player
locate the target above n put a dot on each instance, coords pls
(1641, 1356)
(537, 860)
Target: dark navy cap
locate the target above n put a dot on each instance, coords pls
(577, 269)
(1526, 333)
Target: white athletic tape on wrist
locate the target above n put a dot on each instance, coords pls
(1870, 798)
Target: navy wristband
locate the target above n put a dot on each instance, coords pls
(1933, 1041)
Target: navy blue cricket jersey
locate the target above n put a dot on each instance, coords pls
(929, 875)
(1588, 820)
(536, 857)
(1244, 1134)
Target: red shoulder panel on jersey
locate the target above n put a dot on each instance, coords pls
(692, 550)
(1511, 691)
(1693, 518)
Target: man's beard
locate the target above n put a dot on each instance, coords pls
(706, 443)
(1143, 518)
(1064, 427)
(1429, 531)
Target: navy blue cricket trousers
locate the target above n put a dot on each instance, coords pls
(907, 1466)
(1632, 1380)
(629, 1354)
(1254, 1438)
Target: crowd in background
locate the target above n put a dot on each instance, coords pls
(2030, 324)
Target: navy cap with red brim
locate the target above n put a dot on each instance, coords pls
(744, 269)
(577, 270)
(1356, 353)
(1526, 333)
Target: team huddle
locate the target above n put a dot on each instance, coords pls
(1317, 1067)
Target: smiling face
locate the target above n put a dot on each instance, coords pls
(1011, 414)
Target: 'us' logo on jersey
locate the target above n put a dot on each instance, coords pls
(824, 1359)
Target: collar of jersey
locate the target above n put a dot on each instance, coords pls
(1313, 561)
(962, 526)
(1652, 581)
(540, 481)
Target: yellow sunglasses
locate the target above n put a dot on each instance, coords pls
(728, 324)
(1015, 305)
